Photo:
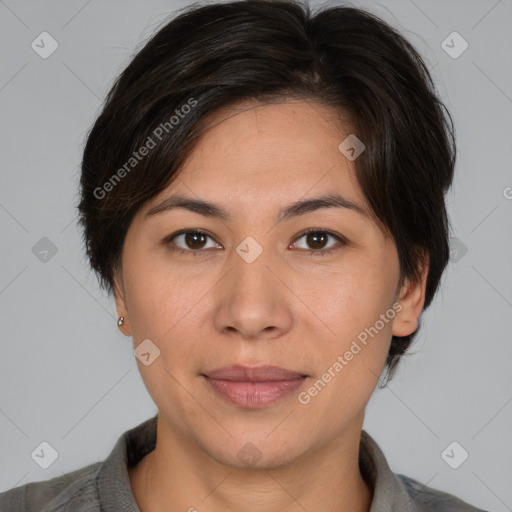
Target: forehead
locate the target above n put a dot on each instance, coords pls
(268, 153)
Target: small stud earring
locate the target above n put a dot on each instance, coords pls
(120, 321)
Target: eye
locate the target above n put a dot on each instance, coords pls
(193, 242)
(190, 242)
(317, 239)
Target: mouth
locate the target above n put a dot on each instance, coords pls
(253, 387)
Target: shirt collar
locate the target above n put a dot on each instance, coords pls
(114, 487)
(389, 493)
(115, 492)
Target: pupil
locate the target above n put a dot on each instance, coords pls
(191, 239)
(315, 236)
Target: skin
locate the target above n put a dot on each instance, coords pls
(287, 308)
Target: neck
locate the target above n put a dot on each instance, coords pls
(179, 476)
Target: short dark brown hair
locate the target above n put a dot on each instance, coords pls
(213, 56)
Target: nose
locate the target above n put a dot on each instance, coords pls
(253, 303)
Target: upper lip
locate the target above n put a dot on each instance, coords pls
(239, 373)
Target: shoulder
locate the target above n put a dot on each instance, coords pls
(104, 485)
(394, 491)
(75, 491)
(432, 500)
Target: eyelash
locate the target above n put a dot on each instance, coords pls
(309, 252)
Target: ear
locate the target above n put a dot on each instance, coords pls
(119, 295)
(411, 298)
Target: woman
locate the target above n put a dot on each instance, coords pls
(263, 193)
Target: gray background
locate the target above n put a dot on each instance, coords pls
(69, 377)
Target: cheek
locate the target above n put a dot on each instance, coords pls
(164, 301)
(352, 356)
(161, 306)
(356, 306)
(155, 305)
(353, 297)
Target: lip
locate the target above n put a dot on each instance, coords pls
(240, 373)
(253, 387)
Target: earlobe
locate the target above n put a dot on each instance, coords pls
(411, 299)
(122, 311)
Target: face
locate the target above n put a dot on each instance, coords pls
(251, 289)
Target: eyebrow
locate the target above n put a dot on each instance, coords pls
(296, 209)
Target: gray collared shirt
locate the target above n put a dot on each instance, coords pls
(105, 486)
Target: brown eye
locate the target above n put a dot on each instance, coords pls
(316, 241)
(191, 241)
(194, 240)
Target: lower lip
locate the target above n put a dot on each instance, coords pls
(254, 395)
